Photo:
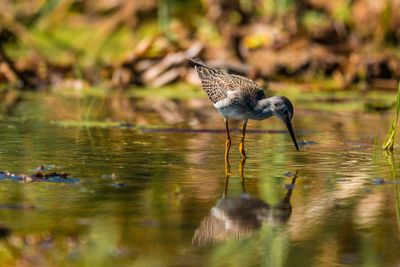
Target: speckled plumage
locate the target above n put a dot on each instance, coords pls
(220, 85)
(237, 97)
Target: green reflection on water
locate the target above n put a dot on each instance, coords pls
(142, 195)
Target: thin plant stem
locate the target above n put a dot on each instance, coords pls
(389, 156)
(391, 135)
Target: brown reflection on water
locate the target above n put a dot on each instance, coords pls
(324, 202)
(238, 217)
(172, 183)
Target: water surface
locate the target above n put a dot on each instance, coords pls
(154, 192)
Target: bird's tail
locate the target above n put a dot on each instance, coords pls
(203, 70)
(197, 62)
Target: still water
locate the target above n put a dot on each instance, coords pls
(159, 194)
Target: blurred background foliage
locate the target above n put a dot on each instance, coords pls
(115, 42)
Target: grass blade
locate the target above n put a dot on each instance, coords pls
(391, 135)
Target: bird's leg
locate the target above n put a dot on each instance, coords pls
(241, 172)
(228, 141)
(241, 145)
(227, 175)
(227, 167)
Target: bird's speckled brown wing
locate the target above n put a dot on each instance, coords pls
(250, 92)
(217, 84)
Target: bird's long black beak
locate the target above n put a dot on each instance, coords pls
(288, 124)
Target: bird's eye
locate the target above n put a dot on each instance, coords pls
(286, 112)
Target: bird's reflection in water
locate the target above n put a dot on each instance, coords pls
(238, 217)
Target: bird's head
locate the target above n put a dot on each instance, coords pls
(282, 108)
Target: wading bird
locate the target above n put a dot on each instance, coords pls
(237, 97)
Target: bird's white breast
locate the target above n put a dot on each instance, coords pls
(229, 109)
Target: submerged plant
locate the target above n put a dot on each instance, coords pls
(392, 165)
(391, 135)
